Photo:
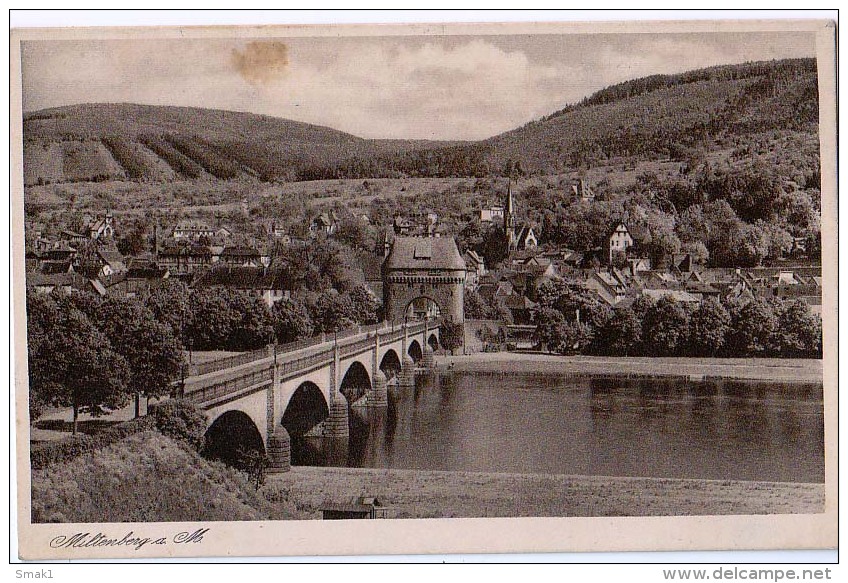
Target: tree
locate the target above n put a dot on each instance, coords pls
(153, 353)
(798, 331)
(574, 302)
(622, 333)
(548, 323)
(42, 316)
(708, 327)
(495, 246)
(254, 463)
(171, 303)
(752, 329)
(475, 306)
(181, 420)
(365, 305)
(665, 327)
(251, 325)
(560, 336)
(471, 236)
(319, 266)
(452, 335)
(72, 363)
(356, 233)
(332, 312)
(212, 320)
(134, 241)
(291, 321)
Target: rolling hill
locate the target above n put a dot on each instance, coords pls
(96, 142)
(662, 115)
(656, 117)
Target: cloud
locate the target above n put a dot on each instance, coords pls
(467, 91)
(261, 62)
(378, 87)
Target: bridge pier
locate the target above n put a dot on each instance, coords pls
(337, 423)
(279, 452)
(428, 360)
(378, 395)
(406, 376)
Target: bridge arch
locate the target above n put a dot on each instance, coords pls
(390, 364)
(433, 342)
(231, 437)
(414, 351)
(356, 382)
(306, 408)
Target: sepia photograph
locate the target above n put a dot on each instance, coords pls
(373, 281)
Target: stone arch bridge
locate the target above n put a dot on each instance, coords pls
(255, 401)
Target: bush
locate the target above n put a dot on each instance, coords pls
(181, 420)
(53, 452)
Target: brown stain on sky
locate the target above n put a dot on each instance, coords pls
(261, 61)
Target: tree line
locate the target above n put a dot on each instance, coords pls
(95, 354)
(571, 320)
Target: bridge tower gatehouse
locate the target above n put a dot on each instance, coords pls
(424, 268)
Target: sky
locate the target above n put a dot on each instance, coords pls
(433, 87)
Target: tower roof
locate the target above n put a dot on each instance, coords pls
(425, 253)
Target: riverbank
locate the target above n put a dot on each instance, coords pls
(776, 369)
(430, 494)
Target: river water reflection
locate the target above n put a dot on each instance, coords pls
(531, 423)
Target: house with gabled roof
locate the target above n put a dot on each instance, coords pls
(618, 241)
(101, 227)
(475, 268)
(325, 223)
(268, 284)
(582, 191)
(192, 230)
(184, 257)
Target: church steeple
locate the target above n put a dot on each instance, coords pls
(509, 209)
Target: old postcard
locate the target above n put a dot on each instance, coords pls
(338, 290)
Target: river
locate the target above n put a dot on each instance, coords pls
(588, 425)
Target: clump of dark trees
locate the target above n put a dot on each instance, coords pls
(571, 320)
(96, 354)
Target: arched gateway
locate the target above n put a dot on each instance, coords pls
(424, 267)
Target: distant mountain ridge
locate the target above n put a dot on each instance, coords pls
(652, 117)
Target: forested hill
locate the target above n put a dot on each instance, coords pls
(95, 142)
(661, 116)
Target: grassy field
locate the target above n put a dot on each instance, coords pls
(147, 478)
(777, 369)
(429, 494)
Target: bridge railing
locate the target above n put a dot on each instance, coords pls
(357, 346)
(299, 344)
(303, 362)
(227, 362)
(224, 388)
(390, 332)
